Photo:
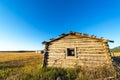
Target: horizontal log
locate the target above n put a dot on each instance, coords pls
(51, 65)
(73, 46)
(78, 41)
(77, 45)
(92, 58)
(82, 60)
(73, 64)
(77, 38)
(74, 43)
(57, 51)
(61, 65)
(90, 65)
(91, 51)
(80, 64)
(87, 47)
(52, 56)
(57, 54)
(69, 59)
(79, 52)
(57, 48)
(78, 48)
(83, 54)
(78, 61)
(49, 62)
(78, 56)
(85, 63)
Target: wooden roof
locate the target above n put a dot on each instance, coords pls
(76, 34)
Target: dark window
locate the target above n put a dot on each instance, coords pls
(70, 52)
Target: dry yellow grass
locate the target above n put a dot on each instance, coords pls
(115, 54)
(7, 56)
(16, 62)
(29, 65)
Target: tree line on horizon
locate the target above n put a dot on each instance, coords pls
(115, 49)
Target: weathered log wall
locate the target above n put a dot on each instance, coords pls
(89, 52)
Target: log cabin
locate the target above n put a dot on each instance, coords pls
(76, 49)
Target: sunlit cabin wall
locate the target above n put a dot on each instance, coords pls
(89, 51)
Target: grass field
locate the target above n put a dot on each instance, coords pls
(12, 63)
(28, 66)
(115, 54)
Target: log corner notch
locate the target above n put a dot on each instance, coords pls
(45, 53)
(57, 51)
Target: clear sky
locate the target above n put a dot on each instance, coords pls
(24, 24)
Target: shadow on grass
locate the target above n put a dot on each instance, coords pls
(116, 64)
(116, 59)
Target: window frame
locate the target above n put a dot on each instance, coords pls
(75, 52)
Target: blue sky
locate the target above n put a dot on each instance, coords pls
(24, 24)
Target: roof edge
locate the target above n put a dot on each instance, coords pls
(75, 33)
